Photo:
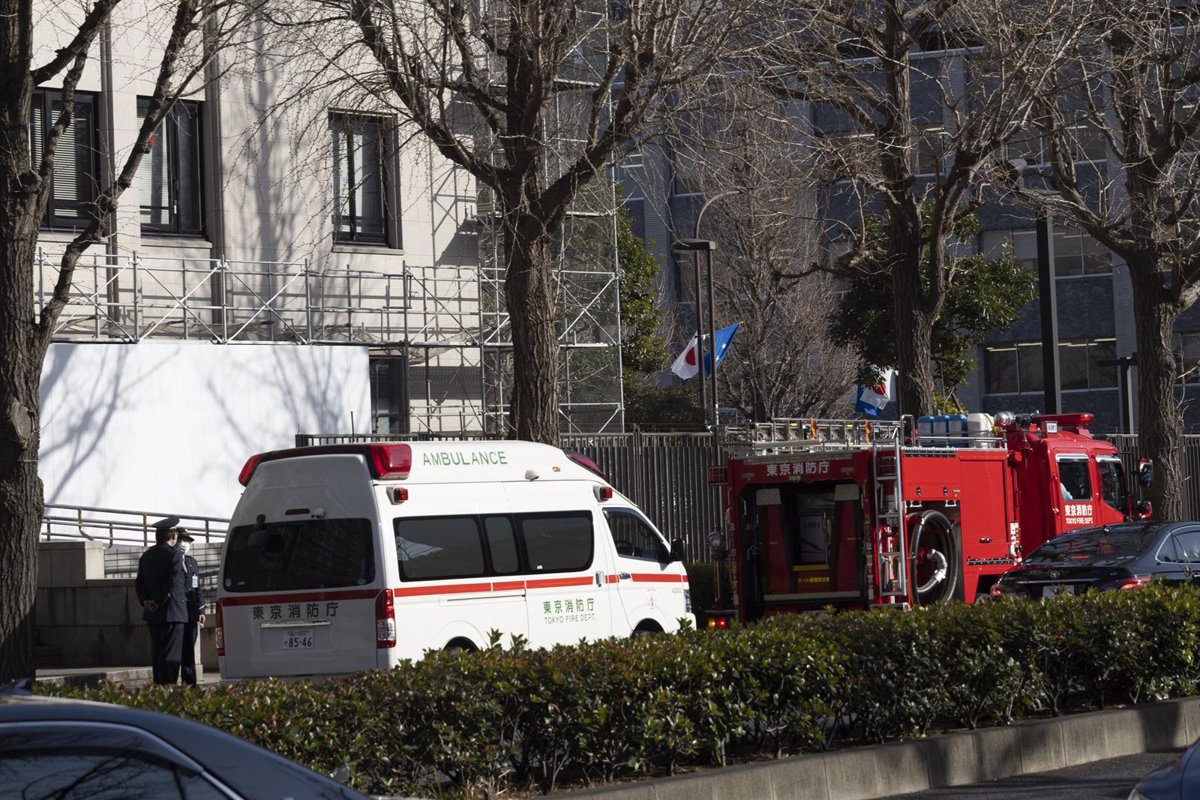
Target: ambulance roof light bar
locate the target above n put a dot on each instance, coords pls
(386, 461)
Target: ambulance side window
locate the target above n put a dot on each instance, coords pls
(432, 548)
(558, 541)
(502, 545)
(633, 538)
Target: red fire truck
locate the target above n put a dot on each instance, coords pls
(866, 513)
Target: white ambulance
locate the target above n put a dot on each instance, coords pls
(351, 557)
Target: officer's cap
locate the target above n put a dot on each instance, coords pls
(185, 536)
(165, 528)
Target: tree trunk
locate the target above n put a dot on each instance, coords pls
(21, 352)
(914, 328)
(528, 286)
(1160, 418)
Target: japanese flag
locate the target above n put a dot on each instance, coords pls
(687, 365)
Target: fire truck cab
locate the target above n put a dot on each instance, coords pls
(857, 513)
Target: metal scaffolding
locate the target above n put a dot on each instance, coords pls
(586, 272)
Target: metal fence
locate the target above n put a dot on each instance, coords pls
(1130, 450)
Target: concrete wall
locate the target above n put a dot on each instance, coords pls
(84, 619)
(167, 426)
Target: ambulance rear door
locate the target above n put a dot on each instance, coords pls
(301, 571)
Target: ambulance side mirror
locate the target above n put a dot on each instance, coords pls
(677, 550)
(1145, 471)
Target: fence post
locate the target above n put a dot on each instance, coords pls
(137, 298)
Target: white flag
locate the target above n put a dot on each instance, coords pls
(687, 365)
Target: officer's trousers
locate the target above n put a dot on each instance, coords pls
(166, 650)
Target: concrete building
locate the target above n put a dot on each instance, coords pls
(1095, 315)
(291, 258)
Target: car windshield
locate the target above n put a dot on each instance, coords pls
(1093, 545)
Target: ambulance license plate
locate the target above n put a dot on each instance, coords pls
(1057, 590)
(299, 639)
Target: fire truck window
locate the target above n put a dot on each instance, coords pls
(1075, 478)
(1112, 484)
(815, 528)
(633, 538)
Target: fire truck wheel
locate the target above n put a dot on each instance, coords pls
(936, 566)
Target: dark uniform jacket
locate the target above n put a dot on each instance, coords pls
(195, 596)
(160, 578)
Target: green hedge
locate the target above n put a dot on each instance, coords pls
(480, 723)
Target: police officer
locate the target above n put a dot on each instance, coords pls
(195, 608)
(162, 592)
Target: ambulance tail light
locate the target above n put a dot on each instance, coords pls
(220, 630)
(248, 469)
(385, 620)
(719, 623)
(390, 460)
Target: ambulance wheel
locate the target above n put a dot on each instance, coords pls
(646, 628)
(935, 564)
(460, 646)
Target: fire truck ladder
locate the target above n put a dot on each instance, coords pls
(891, 538)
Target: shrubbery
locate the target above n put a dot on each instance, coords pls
(463, 724)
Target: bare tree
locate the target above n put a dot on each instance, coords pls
(904, 135)
(533, 98)
(1133, 88)
(24, 193)
(743, 154)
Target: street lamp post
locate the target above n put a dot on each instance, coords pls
(694, 246)
(1051, 382)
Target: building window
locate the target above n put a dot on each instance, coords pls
(1187, 347)
(931, 147)
(360, 179)
(170, 182)
(1075, 253)
(75, 177)
(1017, 368)
(1085, 138)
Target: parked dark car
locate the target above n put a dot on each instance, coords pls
(1107, 557)
(1178, 779)
(73, 749)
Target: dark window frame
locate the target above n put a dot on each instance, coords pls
(360, 527)
(89, 181)
(1028, 369)
(341, 125)
(516, 521)
(187, 112)
(664, 554)
(485, 560)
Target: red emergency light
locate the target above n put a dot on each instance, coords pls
(384, 460)
(390, 460)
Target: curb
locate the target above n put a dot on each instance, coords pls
(953, 759)
(130, 676)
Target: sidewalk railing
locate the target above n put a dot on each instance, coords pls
(116, 526)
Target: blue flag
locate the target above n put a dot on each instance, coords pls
(724, 337)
